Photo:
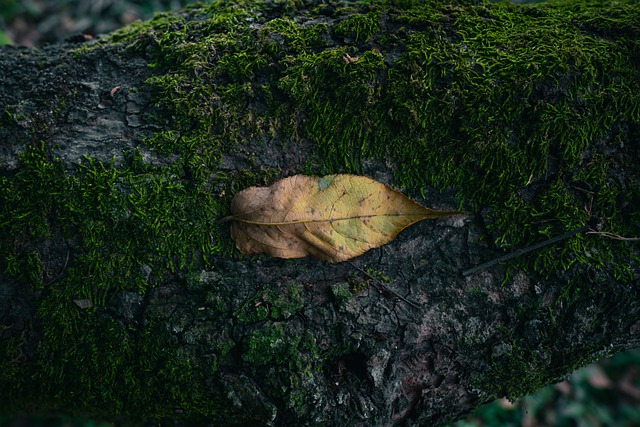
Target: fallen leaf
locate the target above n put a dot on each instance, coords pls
(332, 218)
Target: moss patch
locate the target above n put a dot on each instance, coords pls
(510, 105)
(279, 302)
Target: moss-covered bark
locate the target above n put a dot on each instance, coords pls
(122, 297)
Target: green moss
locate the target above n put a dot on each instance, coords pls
(287, 301)
(126, 221)
(282, 36)
(341, 292)
(358, 27)
(112, 370)
(127, 218)
(514, 374)
(279, 302)
(272, 344)
(518, 95)
(32, 195)
(518, 370)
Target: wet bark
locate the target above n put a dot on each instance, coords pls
(399, 336)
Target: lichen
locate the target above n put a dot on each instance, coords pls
(278, 302)
(341, 293)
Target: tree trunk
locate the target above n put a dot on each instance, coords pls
(122, 295)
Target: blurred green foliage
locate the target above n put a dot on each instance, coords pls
(4, 39)
(604, 394)
(7, 8)
(38, 22)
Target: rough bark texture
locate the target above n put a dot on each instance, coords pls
(122, 297)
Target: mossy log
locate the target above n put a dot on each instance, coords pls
(123, 297)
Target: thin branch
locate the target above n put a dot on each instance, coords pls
(614, 236)
(523, 251)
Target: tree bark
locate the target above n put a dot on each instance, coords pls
(122, 296)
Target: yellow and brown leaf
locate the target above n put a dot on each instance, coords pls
(333, 218)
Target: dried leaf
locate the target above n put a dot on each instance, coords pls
(333, 218)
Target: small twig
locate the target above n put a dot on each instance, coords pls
(614, 236)
(523, 251)
(382, 288)
(66, 261)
